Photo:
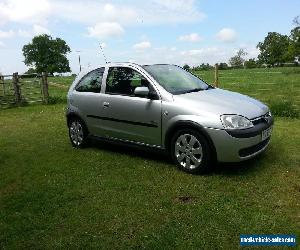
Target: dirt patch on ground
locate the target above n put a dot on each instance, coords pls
(185, 199)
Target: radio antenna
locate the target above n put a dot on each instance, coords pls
(103, 53)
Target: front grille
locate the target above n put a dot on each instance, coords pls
(258, 121)
(253, 149)
(266, 118)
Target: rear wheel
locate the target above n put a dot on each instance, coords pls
(78, 133)
(191, 152)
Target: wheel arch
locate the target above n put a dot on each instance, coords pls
(73, 115)
(188, 125)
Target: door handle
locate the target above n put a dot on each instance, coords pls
(105, 104)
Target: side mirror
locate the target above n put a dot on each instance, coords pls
(141, 91)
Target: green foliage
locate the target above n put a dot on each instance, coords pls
(46, 54)
(284, 108)
(222, 66)
(274, 49)
(251, 63)
(186, 67)
(296, 21)
(294, 48)
(237, 61)
(203, 66)
(57, 99)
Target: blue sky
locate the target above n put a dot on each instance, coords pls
(153, 31)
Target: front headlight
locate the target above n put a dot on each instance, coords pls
(235, 122)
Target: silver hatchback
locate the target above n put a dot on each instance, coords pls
(163, 106)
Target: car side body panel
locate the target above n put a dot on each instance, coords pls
(149, 122)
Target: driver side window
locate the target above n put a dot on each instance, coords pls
(123, 81)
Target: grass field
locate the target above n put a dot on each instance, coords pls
(278, 87)
(112, 197)
(54, 196)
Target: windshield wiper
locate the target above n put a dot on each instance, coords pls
(193, 90)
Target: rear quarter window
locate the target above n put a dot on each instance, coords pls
(91, 82)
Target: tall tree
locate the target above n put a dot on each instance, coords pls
(251, 63)
(296, 21)
(294, 48)
(46, 54)
(238, 60)
(223, 65)
(274, 49)
(186, 67)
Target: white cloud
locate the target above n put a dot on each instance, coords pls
(171, 11)
(105, 30)
(252, 51)
(192, 57)
(98, 13)
(29, 11)
(128, 12)
(6, 34)
(193, 37)
(142, 45)
(24, 33)
(1, 45)
(227, 35)
(39, 30)
(36, 30)
(91, 12)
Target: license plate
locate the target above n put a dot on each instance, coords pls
(266, 134)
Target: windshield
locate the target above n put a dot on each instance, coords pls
(175, 79)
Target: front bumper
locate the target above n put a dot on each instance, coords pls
(235, 146)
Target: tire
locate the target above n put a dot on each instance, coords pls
(191, 152)
(78, 133)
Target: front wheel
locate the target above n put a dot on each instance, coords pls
(78, 133)
(191, 152)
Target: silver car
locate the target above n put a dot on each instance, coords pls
(163, 106)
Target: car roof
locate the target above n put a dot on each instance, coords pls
(110, 64)
(127, 64)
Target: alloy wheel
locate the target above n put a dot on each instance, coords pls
(76, 133)
(188, 151)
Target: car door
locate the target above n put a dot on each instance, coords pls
(127, 116)
(87, 99)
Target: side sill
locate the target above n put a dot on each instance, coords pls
(127, 143)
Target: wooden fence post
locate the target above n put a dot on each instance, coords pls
(3, 83)
(45, 87)
(17, 88)
(216, 75)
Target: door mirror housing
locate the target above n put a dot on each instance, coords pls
(142, 91)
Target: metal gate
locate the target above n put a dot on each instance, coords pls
(31, 88)
(7, 96)
(20, 89)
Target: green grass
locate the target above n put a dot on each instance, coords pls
(278, 87)
(58, 88)
(270, 85)
(111, 197)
